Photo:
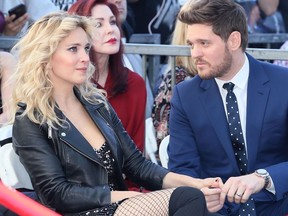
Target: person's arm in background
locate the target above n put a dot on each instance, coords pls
(268, 6)
(2, 22)
(262, 9)
(7, 64)
(9, 27)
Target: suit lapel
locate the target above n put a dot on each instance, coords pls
(211, 100)
(257, 97)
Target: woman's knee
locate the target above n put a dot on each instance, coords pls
(187, 200)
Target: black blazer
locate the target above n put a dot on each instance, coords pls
(66, 172)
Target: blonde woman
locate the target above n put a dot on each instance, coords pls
(71, 141)
(184, 69)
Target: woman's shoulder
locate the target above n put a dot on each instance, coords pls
(135, 79)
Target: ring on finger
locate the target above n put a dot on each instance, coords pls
(239, 195)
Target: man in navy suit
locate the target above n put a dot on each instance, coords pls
(200, 140)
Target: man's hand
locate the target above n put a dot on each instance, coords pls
(239, 189)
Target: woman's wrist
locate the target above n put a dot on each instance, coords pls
(198, 183)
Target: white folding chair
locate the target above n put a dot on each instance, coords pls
(5, 134)
(163, 155)
(12, 172)
(150, 140)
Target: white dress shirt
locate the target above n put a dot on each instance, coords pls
(240, 81)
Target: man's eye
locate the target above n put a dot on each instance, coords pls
(205, 43)
(191, 45)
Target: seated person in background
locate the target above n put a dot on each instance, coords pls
(35, 9)
(133, 61)
(71, 141)
(283, 9)
(8, 27)
(159, 17)
(7, 66)
(123, 13)
(7, 69)
(184, 69)
(63, 4)
(263, 16)
(240, 133)
(125, 89)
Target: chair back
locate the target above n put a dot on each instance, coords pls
(163, 155)
(12, 172)
(150, 140)
(5, 134)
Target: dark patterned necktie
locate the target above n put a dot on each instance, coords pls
(238, 143)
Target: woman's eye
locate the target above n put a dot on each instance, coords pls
(113, 22)
(73, 49)
(87, 49)
(98, 25)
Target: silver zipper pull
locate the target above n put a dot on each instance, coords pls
(49, 130)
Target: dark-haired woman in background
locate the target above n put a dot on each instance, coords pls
(125, 89)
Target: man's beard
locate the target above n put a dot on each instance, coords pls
(219, 70)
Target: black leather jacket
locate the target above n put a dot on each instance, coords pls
(65, 171)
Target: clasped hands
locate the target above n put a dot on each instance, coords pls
(236, 189)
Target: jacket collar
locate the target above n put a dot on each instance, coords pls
(72, 137)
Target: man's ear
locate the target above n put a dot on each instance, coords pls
(234, 40)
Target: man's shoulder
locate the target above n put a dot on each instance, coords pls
(190, 83)
(274, 69)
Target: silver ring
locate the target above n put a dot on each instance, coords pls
(239, 195)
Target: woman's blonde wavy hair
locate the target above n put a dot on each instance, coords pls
(35, 49)
(179, 38)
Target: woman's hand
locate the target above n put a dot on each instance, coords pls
(212, 183)
(172, 180)
(211, 189)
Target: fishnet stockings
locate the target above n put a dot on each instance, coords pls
(153, 203)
